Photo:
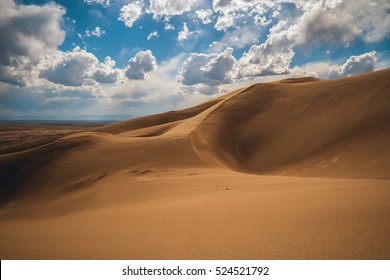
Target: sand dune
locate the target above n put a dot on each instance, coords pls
(337, 128)
(297, 168)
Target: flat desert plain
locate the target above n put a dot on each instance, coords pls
(292, 169)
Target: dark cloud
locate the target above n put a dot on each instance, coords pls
(8, 76)
(77, 68)
(70, 68)
(323, 27)
(27, 31)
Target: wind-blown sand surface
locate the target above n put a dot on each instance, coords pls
(295, 169)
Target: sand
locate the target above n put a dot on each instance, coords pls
(294, 169)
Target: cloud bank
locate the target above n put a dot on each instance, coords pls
(177, 52)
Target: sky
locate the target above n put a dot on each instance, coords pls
(118, 59)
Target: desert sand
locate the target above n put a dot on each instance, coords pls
(292, 169)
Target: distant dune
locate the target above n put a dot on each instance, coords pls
(293, 169)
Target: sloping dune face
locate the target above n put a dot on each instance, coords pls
(337, 128)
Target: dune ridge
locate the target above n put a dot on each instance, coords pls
(301, 151)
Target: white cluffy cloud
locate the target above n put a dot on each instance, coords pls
(262, 61)
(318, 23)
(130, 13)
(211, 69)
(355, 65)
(96, 32)
(204, 15)
(140, 65)
(340, 22)
(160, 8)
(185, 33)
(106, 73)
(235, 13)
(105, 3)
(169, 26)
(152, 35)
(273, 57)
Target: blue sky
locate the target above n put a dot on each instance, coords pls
(115, 59)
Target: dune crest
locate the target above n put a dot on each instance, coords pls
(299, 80)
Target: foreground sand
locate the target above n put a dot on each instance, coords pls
(298, 169)
(213, 214)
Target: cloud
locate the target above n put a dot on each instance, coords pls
(130, 13)
(262, 61)
(374, 17)
(142, 63)
(319, 27)
(228, 6)
(273, 57)
(109, 62)
(12, 76)
(140, 97)
(237, 38)
(340, 22)
(169, 26)
(370, 19)
(211, 69)
(314, 69)
(225, 21)
(77, 68)
(355, 65)
(185, 33)
(105, 3)
(204, 15)
(27, 32)
(105, 73)
(161, 8)
(199, 88)
(96, 32)
(328, 22)
(152, 35)
(69, 68)
(237, 13)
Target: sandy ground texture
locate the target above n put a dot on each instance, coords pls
(294, 169)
